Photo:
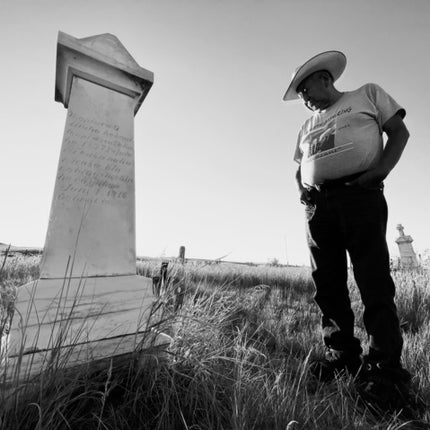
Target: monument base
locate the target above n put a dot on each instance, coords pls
(53, 312)
(59, 323)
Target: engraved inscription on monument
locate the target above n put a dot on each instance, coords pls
(93, 209)
(95, 165)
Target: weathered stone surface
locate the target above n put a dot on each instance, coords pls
(88, 290)
(51, 312)
(92, 216)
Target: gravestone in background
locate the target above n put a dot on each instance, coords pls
(408, 258)
(88, 290)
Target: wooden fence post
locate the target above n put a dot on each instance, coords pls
(180, 289)
(182, 254)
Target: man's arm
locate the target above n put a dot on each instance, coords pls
(304, 194)
(398, 135)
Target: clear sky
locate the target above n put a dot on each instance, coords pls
(214, 140)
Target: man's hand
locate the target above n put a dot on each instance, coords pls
(370, 179)
(305, 196)
(304, 193)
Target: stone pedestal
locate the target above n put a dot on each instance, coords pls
(88, 289)
(408, 258)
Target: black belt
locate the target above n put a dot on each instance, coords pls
(336, 183)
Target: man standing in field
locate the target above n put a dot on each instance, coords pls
(342, 165)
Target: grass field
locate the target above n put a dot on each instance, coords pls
(242, 340)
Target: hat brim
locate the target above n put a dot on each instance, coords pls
(332, 61)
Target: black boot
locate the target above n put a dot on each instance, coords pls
(335, 363)
(386, 387)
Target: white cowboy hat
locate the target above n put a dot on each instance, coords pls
(332, 61)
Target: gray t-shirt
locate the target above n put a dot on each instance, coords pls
(346, 138)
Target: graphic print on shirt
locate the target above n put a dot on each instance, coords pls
(320, 142)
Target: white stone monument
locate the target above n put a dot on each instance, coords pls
(88, 290)
(408, 259)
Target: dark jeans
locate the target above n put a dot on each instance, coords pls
(353, 219)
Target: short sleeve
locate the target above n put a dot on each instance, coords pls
(385, 105)
(298, 152)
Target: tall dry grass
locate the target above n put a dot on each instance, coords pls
(242, 340)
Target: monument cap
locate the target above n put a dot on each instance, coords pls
(332, 61)
(103, 60)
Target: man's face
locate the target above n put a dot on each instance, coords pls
(314, 91)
